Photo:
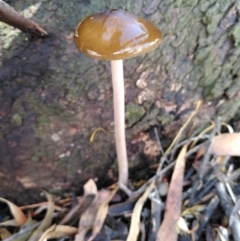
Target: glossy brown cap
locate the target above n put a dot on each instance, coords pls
(116, 34)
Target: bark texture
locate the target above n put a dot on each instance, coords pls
(53, 97)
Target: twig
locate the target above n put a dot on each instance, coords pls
(206, 198)
(208, 213)
(161, 172)
(202, 168)
(158, 140)
(11, 17)
(125, 189)
(156, 211)
(176, 139)
(192, 150)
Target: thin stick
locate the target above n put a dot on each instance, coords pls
(176, 139)
(11, 17)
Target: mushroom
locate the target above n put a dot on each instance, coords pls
(115, 35)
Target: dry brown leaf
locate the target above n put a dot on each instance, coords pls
(226, 144)
(17, 213)
(10, 223)
(70, 216)
(4, 233)
(168, 230)
(101, 215)
(87, 218)
(135, 220)
(46, 223)
(49, 230)
(58, 231)
(74, 214)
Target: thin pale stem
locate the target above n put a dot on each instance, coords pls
(119, 119)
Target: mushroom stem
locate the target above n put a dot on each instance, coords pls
(119, 119)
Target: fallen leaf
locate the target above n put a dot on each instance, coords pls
(87, 218)
(4, 233)
(226, 144)
(49, 230)
(58, 231)
(135, 220)
(168, 230)
(77, 211)
(47, 221)
(26, 230)
(17, 213)
(101, 215)
(10, 223)
(24, 233)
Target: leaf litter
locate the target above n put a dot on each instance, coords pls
(194, 195)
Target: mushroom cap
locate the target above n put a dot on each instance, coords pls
(116, 34)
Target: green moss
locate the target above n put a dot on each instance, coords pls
(46, 112)
(64, 164)
(215, 91)
(164, 119)
(213, 14)
(177, 42)
(235, 33)
(38, 155)
(211, 19)
(16, 119)
(229, 109)
(133, 113)
(211, 27)
(190, 2)
(178, 3)
(204, 5)
(74, 94)
(202, 54)
(43, 123)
